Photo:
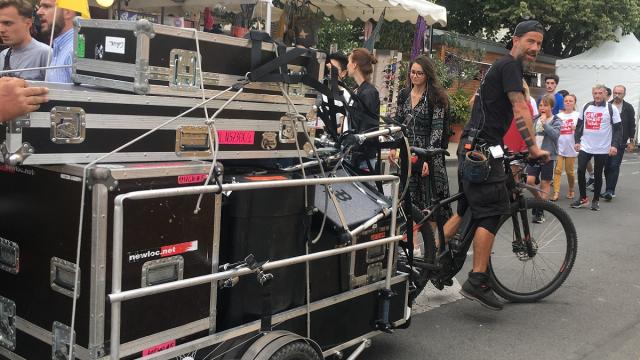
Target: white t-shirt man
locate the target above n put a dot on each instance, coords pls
(598, 130)
(566, 141)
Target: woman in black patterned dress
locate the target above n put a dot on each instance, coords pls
(424, 108)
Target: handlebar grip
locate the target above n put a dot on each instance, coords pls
(425, 153)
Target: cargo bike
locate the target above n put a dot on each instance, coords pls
(168, 209)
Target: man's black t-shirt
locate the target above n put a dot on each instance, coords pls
(504, 76)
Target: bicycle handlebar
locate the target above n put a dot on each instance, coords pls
(523, 157)
(428, 153)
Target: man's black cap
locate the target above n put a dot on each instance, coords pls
(528, 26)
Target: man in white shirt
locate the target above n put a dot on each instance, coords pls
(598, 132)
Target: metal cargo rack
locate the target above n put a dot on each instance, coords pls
(378, 291)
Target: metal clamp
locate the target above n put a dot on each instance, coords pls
(68, 125)
(17, 157)
(193, 141)
(162, 271)
(7, 323)
(9, 256)
(183, 70)
(62, 336)
(61, 277)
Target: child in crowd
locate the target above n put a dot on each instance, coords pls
(566, 152)
(547, 130)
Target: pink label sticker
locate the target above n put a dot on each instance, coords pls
(236, 137)
(192, 179)
(159, 347)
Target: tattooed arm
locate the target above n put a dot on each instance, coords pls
(524, 123)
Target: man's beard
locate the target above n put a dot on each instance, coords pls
(57, 28)
(528, 66)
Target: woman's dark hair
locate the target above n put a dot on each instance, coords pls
(364, 59)
(437, 92)
(563, 93)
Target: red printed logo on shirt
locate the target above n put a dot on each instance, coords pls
(567, 127)
(593, 120)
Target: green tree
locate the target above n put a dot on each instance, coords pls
(572, 26)
(345, 34)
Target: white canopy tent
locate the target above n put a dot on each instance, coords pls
(401, 10)
(611, 63)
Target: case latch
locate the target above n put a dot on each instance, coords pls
(162, 271)
(62, 275)
(7, 323)
(9, 256)
(183, 70)
(287, 134)
(62, 337)
(193, 141)
(68, 125)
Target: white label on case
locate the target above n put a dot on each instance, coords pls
(70, 177)
(114, 44)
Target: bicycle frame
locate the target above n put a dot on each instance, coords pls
(468, 226)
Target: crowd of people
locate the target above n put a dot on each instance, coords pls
(597, 135)
(26, 58)
(25, 52)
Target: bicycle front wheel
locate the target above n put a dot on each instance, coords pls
(527, 266)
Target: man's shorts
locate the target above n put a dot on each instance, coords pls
(544, 172)
(488, 199)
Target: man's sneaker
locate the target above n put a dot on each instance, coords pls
(578, 203)
(477, 288)
(538, 216)
(595, 206)
(607, 196)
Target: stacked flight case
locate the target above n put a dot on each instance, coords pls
(83, 123)
(132, 77)
(165, 241)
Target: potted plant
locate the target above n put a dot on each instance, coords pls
(460, 111)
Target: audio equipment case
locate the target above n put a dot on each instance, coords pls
(164, 241)
(147, 58)
(80, 124)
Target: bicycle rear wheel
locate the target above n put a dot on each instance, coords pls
(423, 254)
(527, 271)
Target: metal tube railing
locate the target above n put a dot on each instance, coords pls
(118, 296)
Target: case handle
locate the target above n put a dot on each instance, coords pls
(61, 277)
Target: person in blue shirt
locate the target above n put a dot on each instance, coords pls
(551, 83)
(62, 47)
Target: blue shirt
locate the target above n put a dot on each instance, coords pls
(558, 106)
(61, 54)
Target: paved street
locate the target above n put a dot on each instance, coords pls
(594, 315)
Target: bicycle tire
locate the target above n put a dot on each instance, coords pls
(556, 245)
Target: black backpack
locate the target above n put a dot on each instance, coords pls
(609, 106)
